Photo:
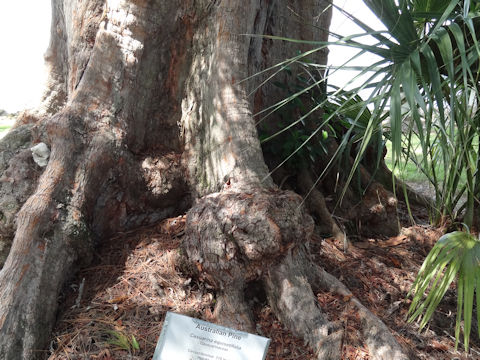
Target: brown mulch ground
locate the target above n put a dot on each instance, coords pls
(137, 278)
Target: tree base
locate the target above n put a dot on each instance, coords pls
(234, 238)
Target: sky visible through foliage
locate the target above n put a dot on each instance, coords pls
(341, 25)
(24, 36)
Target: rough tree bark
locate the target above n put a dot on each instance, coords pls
(145, 117)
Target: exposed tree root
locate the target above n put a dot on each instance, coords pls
(291, 297)
(402, 190)
(17, 182)
(380, 341)
(235, 237)
(406, 193)
(42, 254)
(77, 199)
(315, 202)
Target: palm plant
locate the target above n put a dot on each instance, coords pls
(427, 77)
(438, 81)
(455, 256)
(426, 83)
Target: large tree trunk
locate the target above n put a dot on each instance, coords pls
(145, 116)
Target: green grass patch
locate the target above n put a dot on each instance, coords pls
(408, 171)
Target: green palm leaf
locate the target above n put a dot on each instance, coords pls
(455, 255)
(426, 84)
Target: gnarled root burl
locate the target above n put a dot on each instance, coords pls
(236, 237)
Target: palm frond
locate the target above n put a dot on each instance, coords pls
(455, 256)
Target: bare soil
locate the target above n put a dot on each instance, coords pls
(137, 277)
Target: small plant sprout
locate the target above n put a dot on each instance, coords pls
(123, 341)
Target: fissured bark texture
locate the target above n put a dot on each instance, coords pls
(235, 237)
(145, 114)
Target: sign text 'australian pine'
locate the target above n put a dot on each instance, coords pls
(186, 338)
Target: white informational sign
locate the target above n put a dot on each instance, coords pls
(186, 338)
